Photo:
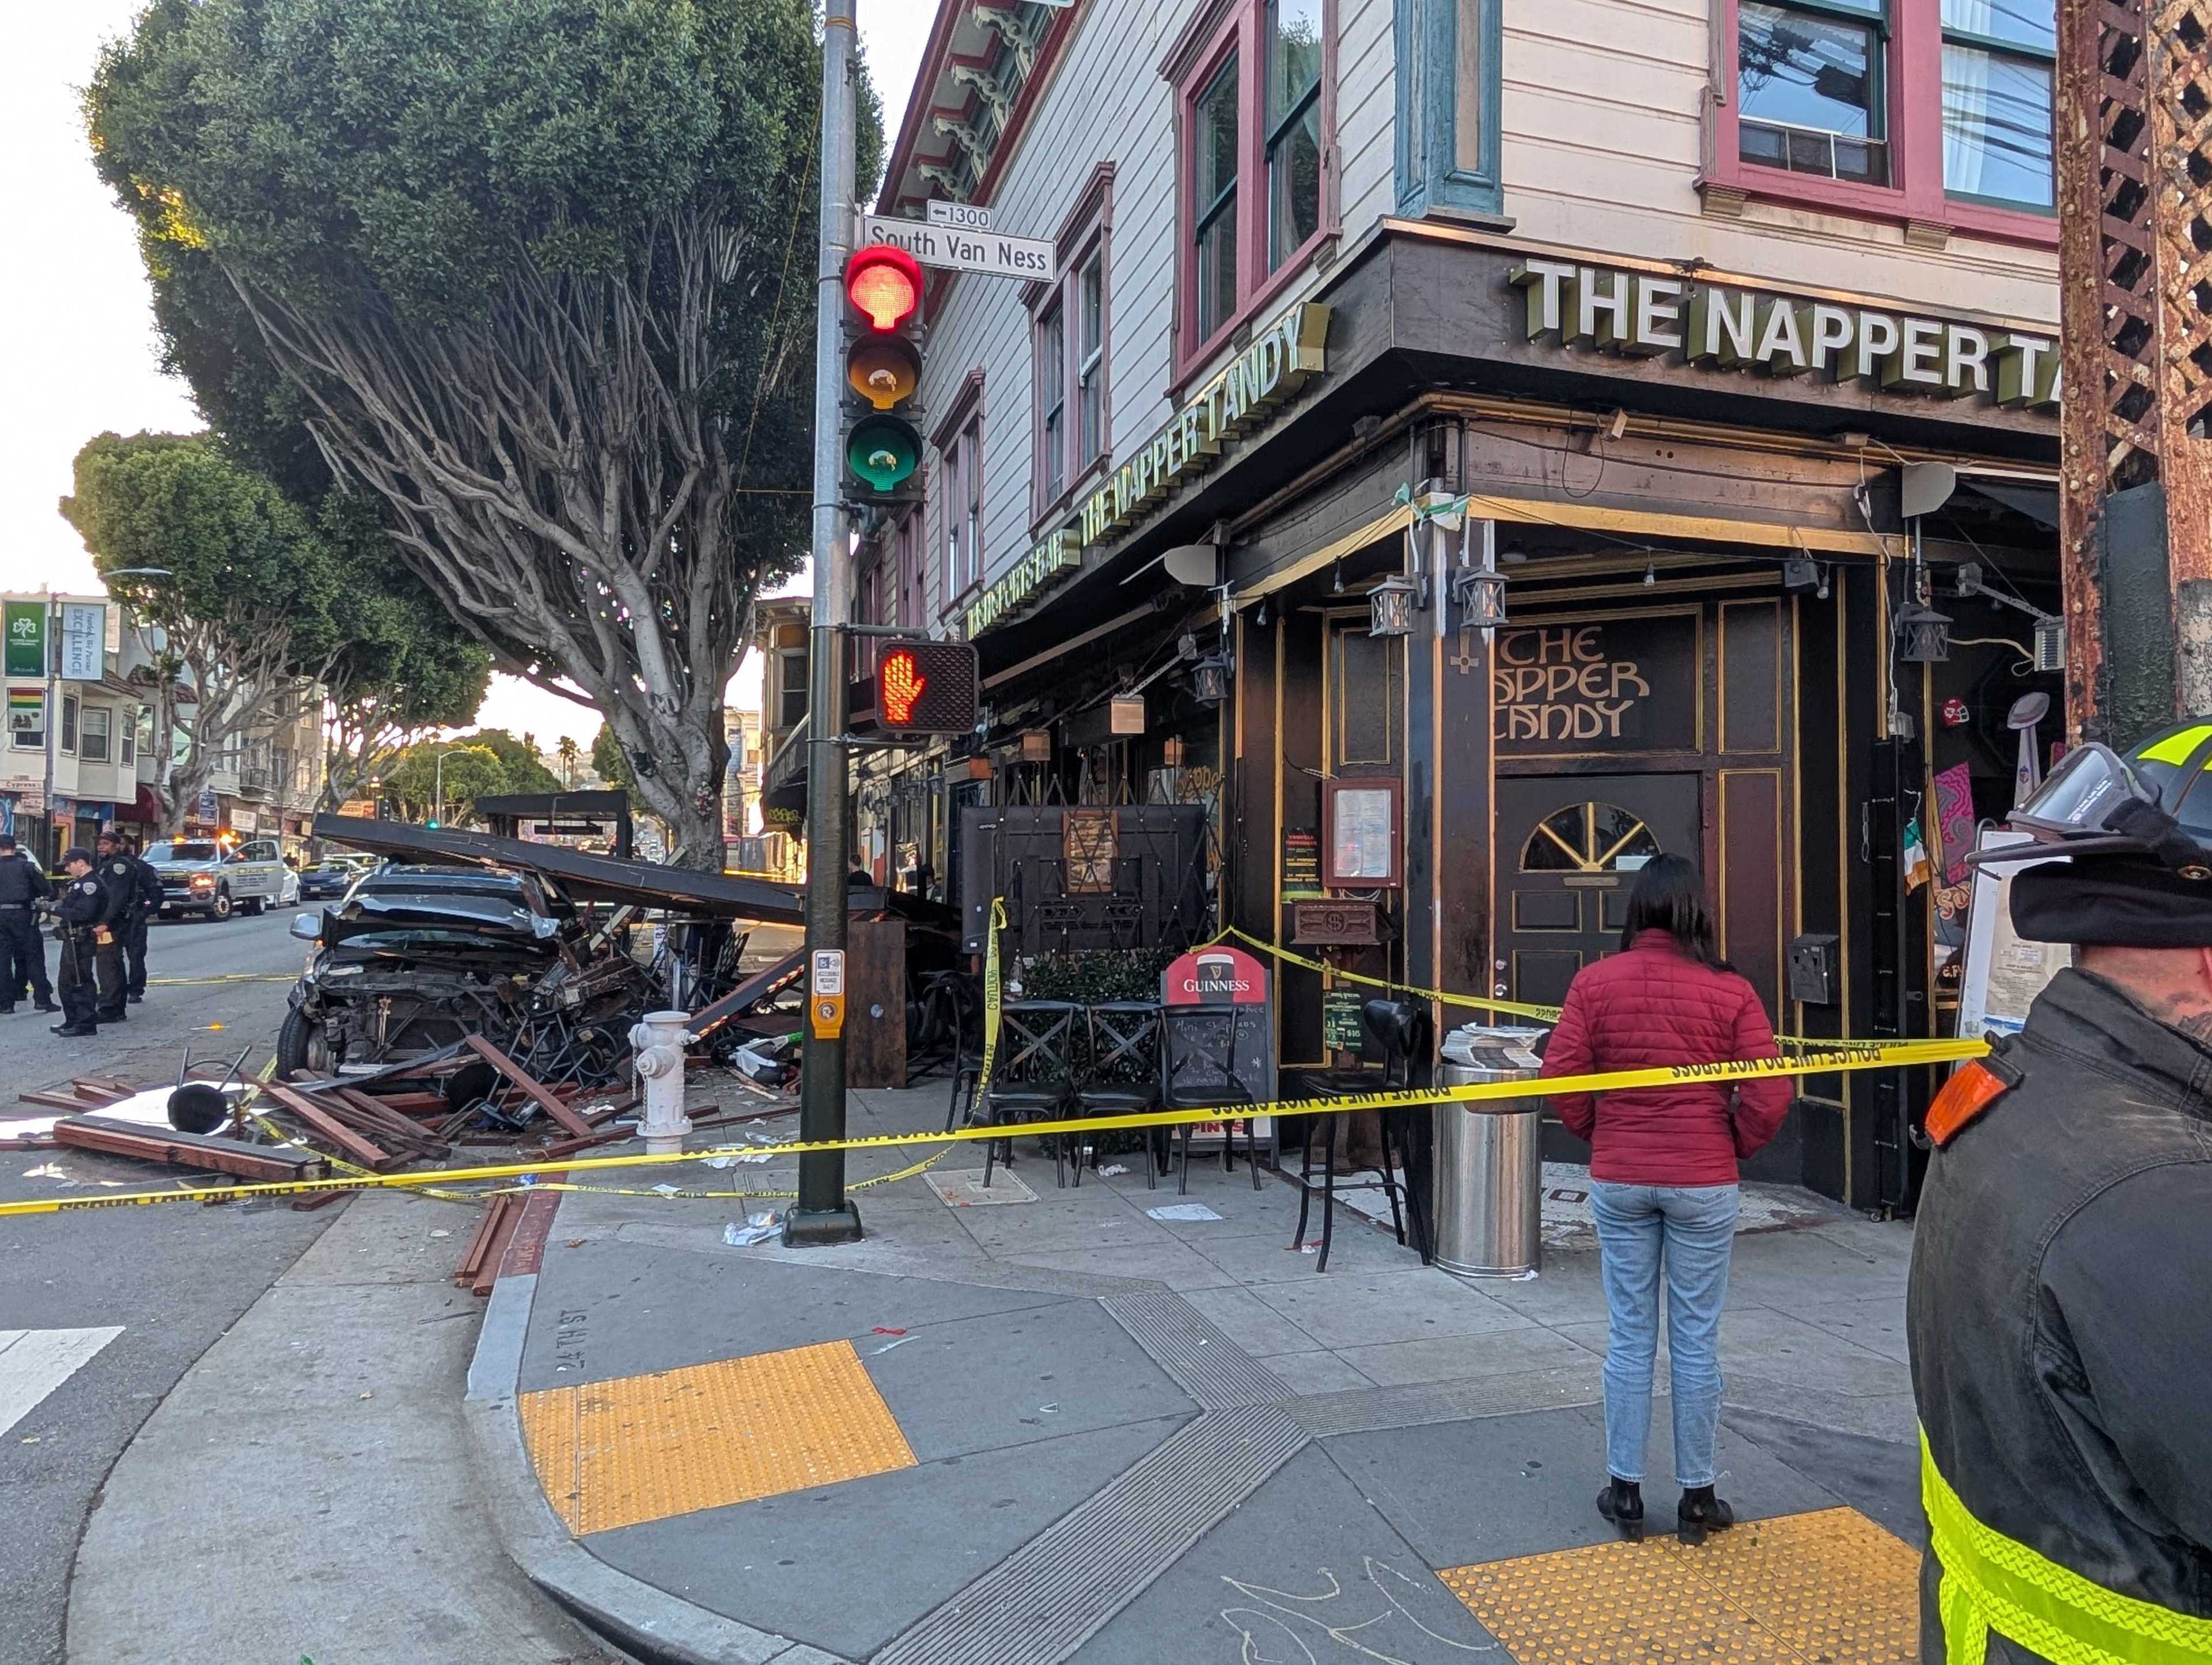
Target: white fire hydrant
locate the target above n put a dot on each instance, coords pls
(658, 1042)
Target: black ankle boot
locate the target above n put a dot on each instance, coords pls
(1622, 1502)
(1700, 1512)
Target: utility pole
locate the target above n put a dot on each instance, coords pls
(2135, 228)
(823, 1214)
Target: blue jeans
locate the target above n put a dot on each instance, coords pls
(1690, 1228)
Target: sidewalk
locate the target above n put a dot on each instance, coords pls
(305, 1491)
(1053, 1426)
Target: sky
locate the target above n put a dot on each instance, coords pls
(78, 352)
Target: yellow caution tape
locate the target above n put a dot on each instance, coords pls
(992, 998)
(1545, 1014)
(1894, 1054)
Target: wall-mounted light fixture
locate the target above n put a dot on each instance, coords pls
(1209, 679)
(1390, 605)
(1480, 596)
(1924, 635)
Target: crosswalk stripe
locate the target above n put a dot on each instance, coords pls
(33, 1363)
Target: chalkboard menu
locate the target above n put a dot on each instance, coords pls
(1574, 689)
(1301, 861)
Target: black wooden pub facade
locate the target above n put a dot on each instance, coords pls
(1717, 636)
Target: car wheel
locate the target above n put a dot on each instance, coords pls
(220, 908)
(256, 906)
(302, 1045)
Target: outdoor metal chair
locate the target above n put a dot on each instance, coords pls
(1393, 1033)
(1033, 1076)
(1199, 1071)
(1122, 1076)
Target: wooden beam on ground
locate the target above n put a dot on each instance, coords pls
(535, 1090)
(358, 1147)
(203, 1151)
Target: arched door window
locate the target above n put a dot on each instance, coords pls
(1590, 837)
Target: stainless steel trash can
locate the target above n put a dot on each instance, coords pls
(1489, 1167)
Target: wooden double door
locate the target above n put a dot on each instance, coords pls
(1568, 849)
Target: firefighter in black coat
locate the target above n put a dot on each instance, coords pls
(2060, 1339)
(92, 948)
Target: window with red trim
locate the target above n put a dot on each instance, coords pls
(1258, 191)
(1931, 110)
(1069, 342)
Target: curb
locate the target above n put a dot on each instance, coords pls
(648, 1623)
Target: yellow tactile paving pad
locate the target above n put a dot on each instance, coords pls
(644, 1448)
(1829, 1587)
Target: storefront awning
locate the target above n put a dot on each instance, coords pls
(1550, 512)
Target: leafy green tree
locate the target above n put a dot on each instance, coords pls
(568, 752)
(608, 759)
(240, 612)
(426, 792)
(525, 770)
(533, 275)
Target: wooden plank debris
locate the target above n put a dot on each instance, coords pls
(206, 1151)
(355, 1146)
(533, 1089)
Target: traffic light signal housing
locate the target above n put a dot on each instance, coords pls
(883, 366)
(924, 686)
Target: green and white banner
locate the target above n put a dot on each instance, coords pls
(27, 638)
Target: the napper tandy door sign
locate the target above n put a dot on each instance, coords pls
(1579, 686)
(1227, 1047)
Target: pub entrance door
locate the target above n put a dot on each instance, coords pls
(1568, 848)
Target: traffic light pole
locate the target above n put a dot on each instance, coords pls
(823, 1214)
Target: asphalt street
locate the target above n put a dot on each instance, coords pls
(168, 1282)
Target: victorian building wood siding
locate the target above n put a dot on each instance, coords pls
(1108, 102)
(1604, 136)
(1606, 131)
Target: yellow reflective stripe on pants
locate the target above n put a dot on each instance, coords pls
(1991, 1583)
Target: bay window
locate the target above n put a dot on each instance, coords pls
(1998, 57)
(1257, 173)
(960, 449)
(1935, 112)
(1214, 196)
(1068, 352)
(1809, 81)
(1448, 105)
(1052, 403)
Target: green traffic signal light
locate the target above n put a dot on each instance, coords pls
(882, 451)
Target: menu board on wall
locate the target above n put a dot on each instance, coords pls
(1578, 687)
(1301, 862)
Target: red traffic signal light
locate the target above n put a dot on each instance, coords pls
(883, 285)
(925, 687)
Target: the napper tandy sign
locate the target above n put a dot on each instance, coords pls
(1645, 314)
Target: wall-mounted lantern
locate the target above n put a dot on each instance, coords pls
(1390, 606)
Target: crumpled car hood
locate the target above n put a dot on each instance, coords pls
(395, 915)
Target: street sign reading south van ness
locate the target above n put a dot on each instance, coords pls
(1034, 260)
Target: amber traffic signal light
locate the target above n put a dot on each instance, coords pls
(883, 366)
(925, 687)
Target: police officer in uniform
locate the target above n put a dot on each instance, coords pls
(23, 947)
(120, 869)
(86, 909)
(2060, 1308)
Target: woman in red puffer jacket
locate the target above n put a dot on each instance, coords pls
(1663, 1172)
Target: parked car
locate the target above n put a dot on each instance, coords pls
(416, 956)
(201, 876)
(333, 877)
